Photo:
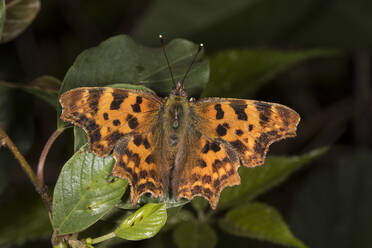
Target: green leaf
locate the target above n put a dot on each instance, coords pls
(238, 73)
(121, 60)
(257, 180)
(194, 234)
(199, 203)
(179, 216)
(23, 218)
(44, 87)
(85, 192)
(144, 223)
(259, 221)
(332, 205)
(80, 138)
(19, 15)
(2, 16)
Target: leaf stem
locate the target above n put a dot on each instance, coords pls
(27, 169)
(103, 238)
(44, 153)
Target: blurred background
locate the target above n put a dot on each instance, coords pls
(326, 204)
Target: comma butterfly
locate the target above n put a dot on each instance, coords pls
(177, 145)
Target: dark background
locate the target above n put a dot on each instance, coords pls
(326, 204)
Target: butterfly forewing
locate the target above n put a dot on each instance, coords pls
(109, 114)
(247, 126)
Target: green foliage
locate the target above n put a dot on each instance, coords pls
(334, 200)
(19, 15)
(194, 234)
(144, 223)
(237, 73)
(258, 180)
(259, 221)
(30, 222)
(85, 191)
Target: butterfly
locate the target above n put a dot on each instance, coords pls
(177, 146)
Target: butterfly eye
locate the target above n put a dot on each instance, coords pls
(192, 99)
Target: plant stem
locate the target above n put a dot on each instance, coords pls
(103, 238)
(28, 170)
(44, 153)
(22, 161)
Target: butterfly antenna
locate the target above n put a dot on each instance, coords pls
(166, 58)
(193, 61)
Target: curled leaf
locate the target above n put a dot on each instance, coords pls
(144, 223)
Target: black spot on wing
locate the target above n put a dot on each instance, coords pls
(116, 122)
(239, 110)
(133, 123)
(137, 140)
(238, 132)
(118, 99)
(265, 111)
(215, 147)
(136, 108)
(94, 96)
(149, 159)
(146, 143)
(105, 116)
(219, 111)
(205, 149)
(261, 143)
(221, 130)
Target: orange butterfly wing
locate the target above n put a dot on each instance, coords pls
(227, 132)
(122, 119)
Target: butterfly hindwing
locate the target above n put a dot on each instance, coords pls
(247, 126)
(137, 161)
(108, 114)
(205, 167)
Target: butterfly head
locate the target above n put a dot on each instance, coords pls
(179, 90)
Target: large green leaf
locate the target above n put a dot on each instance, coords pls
(332, 205)
(259, 221)
(144, 223)
(85, 191)
(238, 73)
(23, 218)
(19, 15)
(255, 181)
(194, 234)
(121, 60)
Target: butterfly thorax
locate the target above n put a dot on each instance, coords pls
(176, 113)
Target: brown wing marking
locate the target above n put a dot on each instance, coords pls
(204, 169)
(108, 114)
(249, 127)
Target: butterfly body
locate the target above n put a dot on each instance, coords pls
(175, 146)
